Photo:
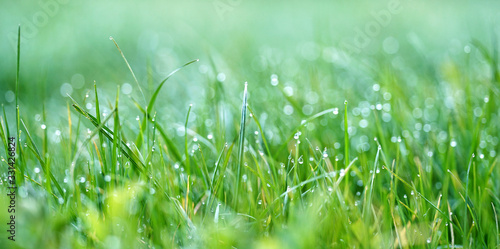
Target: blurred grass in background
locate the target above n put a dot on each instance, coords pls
(423, 83)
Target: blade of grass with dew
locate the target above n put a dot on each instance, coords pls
(3, 135)
(302, 124)
(7, 132)
(313, 179)
(70, 131)
(423, 197)
(368, 197)
(211, 196)
(222, 171)
(497, 237)
(134, 159)
(115, 150)
(101, 139)
(466, 197)
(204, 169)
(18, 116)
(186, 152)
(40, 159)
(266, 145)
(346, 145)
(170, 144)
(241, 145)
(97, 130)
(346, 135)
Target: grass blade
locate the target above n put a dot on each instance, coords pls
(241, 144)
(129, 67)
(134, 159)
(188, 166)
(157, 91)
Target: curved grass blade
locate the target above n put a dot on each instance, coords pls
(155, 94)
(134, 159)
(129, 67)
(42, 162)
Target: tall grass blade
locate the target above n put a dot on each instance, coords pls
(42, 162)
(241, 144)
(186, 150)
(157, 91)
(134, 159)
(346, 135)
(129, 68)
(101, 139)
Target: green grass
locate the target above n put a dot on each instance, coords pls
(410, 162)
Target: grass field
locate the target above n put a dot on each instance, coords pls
(238, 124)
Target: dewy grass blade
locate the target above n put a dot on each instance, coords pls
(98, 129)
(3, 133)
(116, 137)
(18, 65)
(465, 239)
(241, 144)
(368, 198)
(157, 91)
(170, 144)
(42, 162)
(101, 140)
(346, 144)
(302, 124)
(264, 141)
(186, 150)
(134, 159)
(496, 225)
(346, 135)
(7, 132)
(18, 116)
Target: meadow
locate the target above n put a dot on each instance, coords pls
(238, 124)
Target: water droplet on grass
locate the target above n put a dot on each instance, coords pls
(453, 143)
(274, 80)
(335, 111)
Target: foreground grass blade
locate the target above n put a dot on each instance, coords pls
(271, 162)
(101, 140)
(42, 162)
(241, 144)
(134, 159)
(18, 116)
(188, 165)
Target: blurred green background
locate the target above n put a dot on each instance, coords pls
(417, 69)
(66, 42)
